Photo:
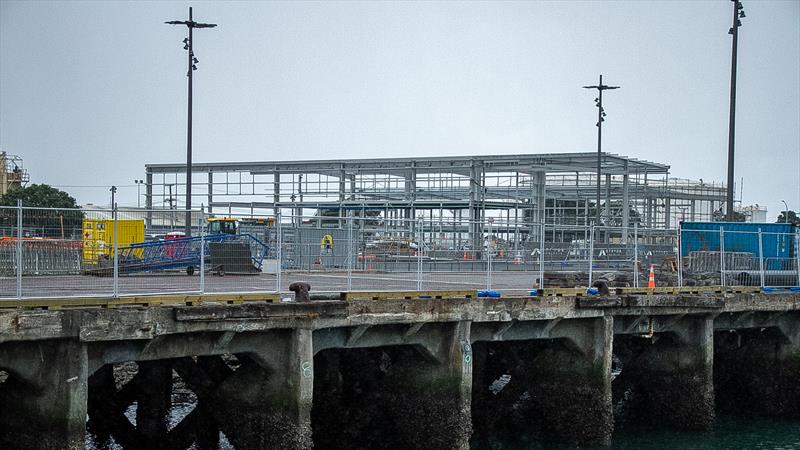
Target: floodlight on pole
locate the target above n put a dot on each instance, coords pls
(738, 13)
(139, 184)
(187, 45)
(601, 114)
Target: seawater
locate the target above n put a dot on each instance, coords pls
(732, 433)
(728, 433)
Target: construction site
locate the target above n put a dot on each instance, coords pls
(512, 223)
(461, 193)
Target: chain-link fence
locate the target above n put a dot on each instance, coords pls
(50, 252)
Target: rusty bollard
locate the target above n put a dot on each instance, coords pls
(300, 290)
(602, 287)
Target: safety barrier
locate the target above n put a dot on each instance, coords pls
(118, 252)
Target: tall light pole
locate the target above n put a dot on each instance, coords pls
(738, 12)
(139, 184)
(785, 212)
(191, 25)
(601, 114)
(113, 198)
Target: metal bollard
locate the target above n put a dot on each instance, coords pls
(301, 290)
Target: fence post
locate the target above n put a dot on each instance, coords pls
(591, 253)
(116, 247)
(19, 248)
(722, 256)
(760, 257)
(202, 253)
(349, 253)
(797, 255)
(489, 256)
(278, 251)
(680, 257)
(418, 236)
(541, 257)
(636, 254)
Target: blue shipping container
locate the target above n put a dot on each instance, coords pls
(777, 239)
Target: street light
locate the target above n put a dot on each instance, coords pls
(192, 66)
(785, 212)
(139, 184)
(113, 198)
(738, 13)
(601, 114)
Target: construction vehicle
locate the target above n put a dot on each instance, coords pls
(223, 225)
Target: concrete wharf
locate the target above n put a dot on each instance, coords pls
(391, 370)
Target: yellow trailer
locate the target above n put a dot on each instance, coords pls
(98, 237)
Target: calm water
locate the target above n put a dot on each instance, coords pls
(728, 433)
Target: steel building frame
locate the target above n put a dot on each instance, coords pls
(557, 189)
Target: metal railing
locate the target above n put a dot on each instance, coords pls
(51, 252)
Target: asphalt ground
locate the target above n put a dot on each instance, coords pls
(174, 282)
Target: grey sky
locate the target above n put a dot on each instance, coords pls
(92, 91)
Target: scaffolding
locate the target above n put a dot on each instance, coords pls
(12, 174)
(522, 191)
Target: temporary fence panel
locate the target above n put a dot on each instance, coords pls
(162, 260)
(52, 259)
(47, 252)
(657, 249)
(779, 265)
(567, 256)
(10, 252)
(614, 256)
(242, 254)
(703, 261)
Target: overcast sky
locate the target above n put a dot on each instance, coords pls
(90, 92)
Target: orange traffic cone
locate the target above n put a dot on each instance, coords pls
(651, 278)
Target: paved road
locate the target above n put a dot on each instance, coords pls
(82, 285)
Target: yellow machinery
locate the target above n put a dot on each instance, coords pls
(98, 237)
(229, 225)
(223, 225)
